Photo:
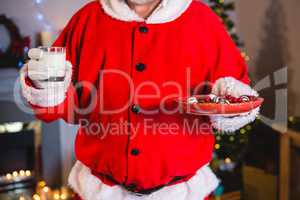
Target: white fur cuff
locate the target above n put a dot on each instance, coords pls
(52, 95)
(231, 124)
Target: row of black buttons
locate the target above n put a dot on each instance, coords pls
(135, 108)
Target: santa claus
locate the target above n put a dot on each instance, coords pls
(127, 61)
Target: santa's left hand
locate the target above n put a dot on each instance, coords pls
(233, 87)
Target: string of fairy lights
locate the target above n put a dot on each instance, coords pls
(40, 16)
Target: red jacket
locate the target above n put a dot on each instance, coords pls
(137, 153)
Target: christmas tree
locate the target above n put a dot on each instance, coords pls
(229, 148)
(223, 10)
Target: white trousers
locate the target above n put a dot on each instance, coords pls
(89, 187)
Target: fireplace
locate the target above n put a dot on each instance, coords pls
(19, 157)
(21, 166)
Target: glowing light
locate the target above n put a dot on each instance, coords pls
(20, 64)
(36, 197)
(15, 174)
(42, 184)
(46, 189)
(26, 49)
(40, 16)
(249, 128)
(227, 160)
(56, 196)
(28, 173)
(2, 129)
(63, 196)
(231, 139)
(22, 173)
(245, 56)
(217, 146)
(291, 119)
(242, 131)
(8, 176)
(14, 127)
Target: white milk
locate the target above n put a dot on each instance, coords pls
(54, 63)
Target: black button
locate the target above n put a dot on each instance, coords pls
(143, 29)
(140, 67)
(135, 152)
(136, 109)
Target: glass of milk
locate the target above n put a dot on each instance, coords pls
(53, 59)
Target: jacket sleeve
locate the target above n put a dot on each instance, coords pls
(228, 66)
(69, 38)
(227, 59)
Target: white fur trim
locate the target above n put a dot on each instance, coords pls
(89, 187)
(168, 11)
(231, 124)
(52, 95)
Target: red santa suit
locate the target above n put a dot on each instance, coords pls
(122, 56)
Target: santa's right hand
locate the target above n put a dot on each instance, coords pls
(38, 65)
(43, 93)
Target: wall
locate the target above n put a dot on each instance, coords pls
(271, 33)
(26, 14)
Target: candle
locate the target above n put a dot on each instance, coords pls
(28, 173)
(15, 174)
(8, 176)
(46, 38)
(22, 198)
(22, 173)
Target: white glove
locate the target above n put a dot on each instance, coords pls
(235, 88)
(42, 66)
(47, 93)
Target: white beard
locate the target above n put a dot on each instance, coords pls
(141, 2)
